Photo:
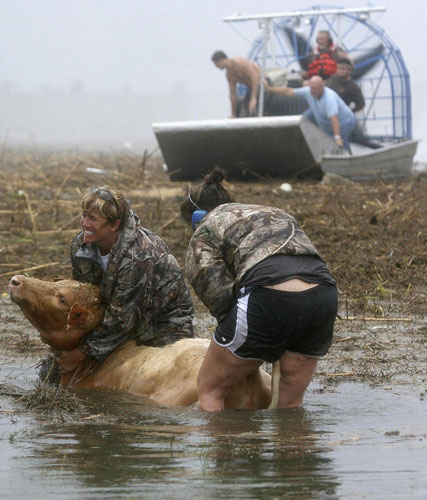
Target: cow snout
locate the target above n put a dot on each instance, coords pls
(16, 281)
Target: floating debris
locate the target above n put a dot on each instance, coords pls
(92, 170)
(50, 399)
(285, 187)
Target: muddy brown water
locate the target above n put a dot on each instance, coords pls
(351, 440)
(361, 434)
(363, 438)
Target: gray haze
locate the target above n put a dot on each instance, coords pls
(97, 73)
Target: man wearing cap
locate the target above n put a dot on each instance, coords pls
(351, 94)
(345, 86)
(141, 282)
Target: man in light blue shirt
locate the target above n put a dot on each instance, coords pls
(326, 109)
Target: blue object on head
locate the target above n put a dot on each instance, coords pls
(197, 217)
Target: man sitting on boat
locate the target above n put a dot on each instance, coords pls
(345, 86)
(351, 94)
(326, 109)
(323, 59)
(240, 70)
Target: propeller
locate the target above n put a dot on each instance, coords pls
(365, 63)
(300, 44)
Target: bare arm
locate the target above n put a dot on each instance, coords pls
(286, 91)
(255, 84)
(233, 97)
(335, 123)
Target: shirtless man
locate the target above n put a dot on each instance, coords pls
(240, 70)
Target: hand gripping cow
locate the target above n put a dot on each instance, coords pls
(142, 285)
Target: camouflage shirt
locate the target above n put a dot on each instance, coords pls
(229, 241)
(143, 288)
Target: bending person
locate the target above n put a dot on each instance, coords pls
(142, 284)
(326, 109)
(240, 70)
(261, 277)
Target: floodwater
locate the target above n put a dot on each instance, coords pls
(350, 441)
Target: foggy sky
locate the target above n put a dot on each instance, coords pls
(66, 62)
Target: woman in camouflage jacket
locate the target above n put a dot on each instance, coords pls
(142, 284)
(261, 277)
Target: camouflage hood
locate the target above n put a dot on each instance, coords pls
(232, 239)
(144, 290)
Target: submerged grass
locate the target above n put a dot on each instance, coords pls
(53, 401)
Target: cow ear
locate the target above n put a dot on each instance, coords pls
(77, 314)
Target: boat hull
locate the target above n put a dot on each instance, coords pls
(282, 147)
(390, 162)
(247, 148)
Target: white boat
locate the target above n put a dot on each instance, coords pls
(389, 162)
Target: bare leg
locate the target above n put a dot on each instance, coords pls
(220, 371)
(296, 372)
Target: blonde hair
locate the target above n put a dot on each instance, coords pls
(116, 208)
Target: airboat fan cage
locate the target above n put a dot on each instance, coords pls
(379, 67)
(284, 144)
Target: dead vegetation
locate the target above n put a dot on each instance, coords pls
(53, 401)
(49, 400)
(372, 235)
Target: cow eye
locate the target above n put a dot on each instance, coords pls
(62, 299)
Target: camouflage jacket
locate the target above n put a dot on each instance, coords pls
(229, 241)
(143, 288)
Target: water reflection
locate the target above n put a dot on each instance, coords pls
(350, 441)
(279, 449)
(259, 454)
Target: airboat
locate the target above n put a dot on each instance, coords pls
(280, 142)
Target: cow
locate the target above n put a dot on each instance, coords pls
(64, 311)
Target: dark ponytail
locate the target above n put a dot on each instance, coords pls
(208, 195)
(215, 177)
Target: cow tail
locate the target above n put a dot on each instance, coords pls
(275, 380)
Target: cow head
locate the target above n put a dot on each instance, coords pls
(62, 311)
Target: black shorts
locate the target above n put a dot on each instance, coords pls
(265, 323)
